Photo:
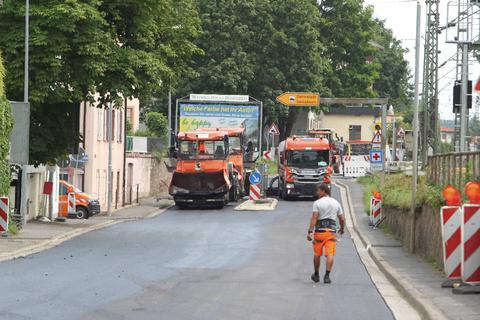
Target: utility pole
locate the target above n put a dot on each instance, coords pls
(27, 36)
(110, 169)
(384, 143)
(415, 127)
(169, 119)
(464, 99)
(431, 127)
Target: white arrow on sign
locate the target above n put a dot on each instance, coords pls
(266, 155)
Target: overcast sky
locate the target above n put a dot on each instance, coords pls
(400, 16)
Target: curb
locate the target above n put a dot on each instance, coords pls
(412, 295)
(57, 240)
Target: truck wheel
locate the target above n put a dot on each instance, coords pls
(284, 193)
(82, 213)
(233, 193)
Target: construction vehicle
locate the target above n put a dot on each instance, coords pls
(203, 173)
(303, 164)
(237, 155)
(336, 146)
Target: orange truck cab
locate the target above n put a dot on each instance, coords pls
(203, 174)
(85, 205)
(303, 164)
(236, 154)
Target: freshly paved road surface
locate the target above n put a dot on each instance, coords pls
(198, 264)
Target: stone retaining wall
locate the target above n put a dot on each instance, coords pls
(428, 236)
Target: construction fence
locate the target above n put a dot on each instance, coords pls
(454, 168)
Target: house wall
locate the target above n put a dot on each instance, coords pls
(96, 147)
(150, 176)
(341, 124)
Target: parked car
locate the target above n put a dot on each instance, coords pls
(85, 205)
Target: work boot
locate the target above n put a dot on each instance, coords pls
(315, 277)
(326, 279)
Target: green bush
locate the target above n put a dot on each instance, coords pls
(157, 124)
(397, 191)
(6, 125)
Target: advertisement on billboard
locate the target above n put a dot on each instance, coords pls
(200, 115)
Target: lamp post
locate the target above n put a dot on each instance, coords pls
(27, 35)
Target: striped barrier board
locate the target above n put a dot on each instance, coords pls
(4, 214)
(375, 211)
(451, 218)
(254, 193)
(470, 248)
(71, 203)
(356, 166)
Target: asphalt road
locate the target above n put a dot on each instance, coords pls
(192, 264)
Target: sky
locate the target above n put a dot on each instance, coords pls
(400, 16)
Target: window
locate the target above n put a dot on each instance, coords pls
(355, 132)
(100, 123)
(63, 190)
(119, 126)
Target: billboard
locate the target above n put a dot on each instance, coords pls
(194, 115)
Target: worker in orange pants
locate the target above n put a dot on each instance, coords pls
(322, 230)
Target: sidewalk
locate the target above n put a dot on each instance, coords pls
(416, 279)
(38, 236)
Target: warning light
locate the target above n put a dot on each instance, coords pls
(377, 195)
(472, 191)
(452, 196)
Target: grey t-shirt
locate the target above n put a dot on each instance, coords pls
(327, 208)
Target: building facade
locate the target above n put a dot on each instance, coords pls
(350, 123)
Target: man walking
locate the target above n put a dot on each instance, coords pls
(322, 230)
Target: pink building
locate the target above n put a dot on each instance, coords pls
(93, 177)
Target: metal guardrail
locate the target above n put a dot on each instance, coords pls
(453, 168)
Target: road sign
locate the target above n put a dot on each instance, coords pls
(376, 160)
(255, 177)
(401, 132)
(219, 97)
(299, 99)
(274, 129)
(267, 155)
(377, 138)
(376, 156)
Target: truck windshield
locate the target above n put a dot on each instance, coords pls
(202, 150)
(235, 145)
(308, 158)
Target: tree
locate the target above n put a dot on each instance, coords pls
(260, 48)
(157, 124)
(348, 31)
(393, 82)
(81, 47)
(6, 124)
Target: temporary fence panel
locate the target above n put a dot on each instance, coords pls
(356, 166)
(470, 248)
(451, 218)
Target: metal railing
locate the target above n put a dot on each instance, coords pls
(454, 168)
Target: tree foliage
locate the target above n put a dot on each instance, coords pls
(157, 124)
(6, 124)
(79, 48)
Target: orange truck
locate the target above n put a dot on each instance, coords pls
(303, 163)
(203, 174)
(237, 156)
(85, 205)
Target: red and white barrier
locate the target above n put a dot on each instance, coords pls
(470, 248)
(375, 211)
(4, 214)
(71, 203)
(254, 193)
(356, 166)
(451, 218)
